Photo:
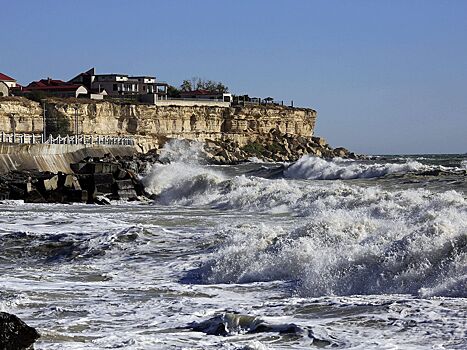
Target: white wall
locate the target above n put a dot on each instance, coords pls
(189, 103)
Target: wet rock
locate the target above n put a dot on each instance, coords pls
(228, 324)
(319, 141)
(15, 334)
(102, 200)
(34, 197)
(273, 146)
(341, 152)
(51, 184)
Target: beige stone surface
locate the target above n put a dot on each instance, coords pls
(152, 125)
(25, 113)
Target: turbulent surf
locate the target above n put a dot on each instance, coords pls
(320, 253)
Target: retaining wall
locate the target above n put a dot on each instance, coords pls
(52, 158)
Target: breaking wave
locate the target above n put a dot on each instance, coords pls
(313, 168)
(340, 239)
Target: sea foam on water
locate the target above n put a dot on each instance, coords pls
(227, 260)
(345, 240)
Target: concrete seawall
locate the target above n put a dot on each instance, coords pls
(52, 158)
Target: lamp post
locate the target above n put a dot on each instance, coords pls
(13, 125)
(44, 123)
(76, 123)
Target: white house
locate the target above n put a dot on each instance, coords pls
(120, 84)
(6, 83)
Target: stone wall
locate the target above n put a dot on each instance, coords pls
(152, 125)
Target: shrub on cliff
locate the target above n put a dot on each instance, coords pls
(196, 83)
(173, 92)
(254, 148)
(37, 96)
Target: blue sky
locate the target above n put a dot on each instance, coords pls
(386, 77)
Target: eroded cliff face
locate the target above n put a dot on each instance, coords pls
(152, 125)
(19, 113)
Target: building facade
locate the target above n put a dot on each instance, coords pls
(6, 83)
(4, 90)
(121, 85)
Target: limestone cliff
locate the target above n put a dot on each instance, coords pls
(152, 125)
(19, 113)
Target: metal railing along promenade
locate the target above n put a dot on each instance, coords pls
(104, 140)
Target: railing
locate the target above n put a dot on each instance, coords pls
(68, 140)
(258, 102)
(21, 138)
(194, 99)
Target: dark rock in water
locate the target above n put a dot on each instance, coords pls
(228, 324)
(269, 172)
(15, 334)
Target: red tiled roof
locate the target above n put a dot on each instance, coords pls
(47, 83)
(5, 77)
(67, 87)
(51, 85)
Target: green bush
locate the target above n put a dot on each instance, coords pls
(254, 148)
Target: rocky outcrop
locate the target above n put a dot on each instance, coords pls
(21, 114)
(232, 134)
(273, 147)
(15, 334)
(152, 125)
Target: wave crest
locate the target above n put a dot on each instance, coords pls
(410, 242)
(314, 168)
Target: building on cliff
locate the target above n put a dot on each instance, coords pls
(52, 87)
(6, 83)
(121, 85)
(4, 90)
(206, 95)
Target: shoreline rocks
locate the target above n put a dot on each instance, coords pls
(273, 147)
(94, 181)
(15, 334)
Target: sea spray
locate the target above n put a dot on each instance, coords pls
(314, 168)
(413, 243)
(346, 239)
(183, 175)
(219, 241)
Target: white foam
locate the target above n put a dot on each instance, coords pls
(310, 167)
(135, 276)
(350, 241)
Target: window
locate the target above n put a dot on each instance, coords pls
(115, 87)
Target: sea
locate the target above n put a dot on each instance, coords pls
(345, 254)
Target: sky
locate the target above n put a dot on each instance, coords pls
(386, 76)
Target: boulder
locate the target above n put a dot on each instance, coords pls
(15, 334)
(319, 141)
(34, 197)
(51, 184)
(341, 152)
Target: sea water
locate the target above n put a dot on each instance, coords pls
(318, 254)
